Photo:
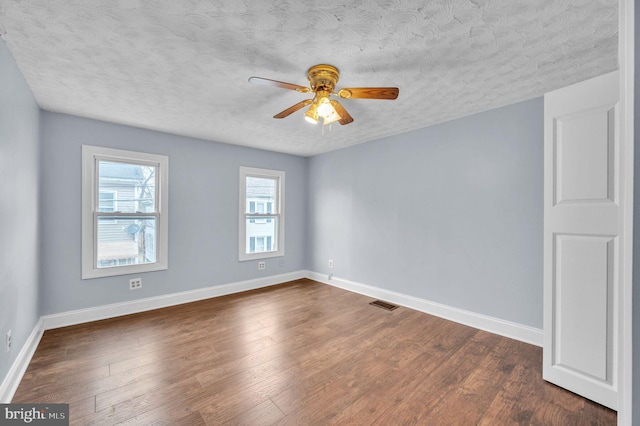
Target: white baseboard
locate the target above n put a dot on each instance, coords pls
(509, 329)
(17, 370)
(97, 313)
(12, 380)
(48, 322)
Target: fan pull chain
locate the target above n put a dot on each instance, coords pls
(326, 125)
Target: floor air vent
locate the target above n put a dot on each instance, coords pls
(384, 305)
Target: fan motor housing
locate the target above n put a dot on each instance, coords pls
(323, 77)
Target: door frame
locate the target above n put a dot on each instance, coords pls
(626, 58)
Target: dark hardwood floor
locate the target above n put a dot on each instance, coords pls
(297, 353)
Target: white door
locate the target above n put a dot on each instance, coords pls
(582, 238)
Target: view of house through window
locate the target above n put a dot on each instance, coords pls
(261, 192)
(125, 239)
(260, 196)
(124, 212)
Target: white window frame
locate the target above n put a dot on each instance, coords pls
(90, 193)
(277, 211)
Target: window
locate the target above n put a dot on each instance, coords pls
(124, 212)
(261, 213)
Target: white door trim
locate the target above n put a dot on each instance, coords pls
(626, 55)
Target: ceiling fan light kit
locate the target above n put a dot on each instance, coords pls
(322, 81)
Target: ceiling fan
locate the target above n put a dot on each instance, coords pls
(323, 79)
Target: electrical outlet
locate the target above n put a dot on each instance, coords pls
(135, 283)
(262, 265)
(9, 341)
(330, 263)
(330, 276)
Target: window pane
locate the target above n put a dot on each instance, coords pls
(126, 241)
(260, 235)
(133, 187)
(260, 191)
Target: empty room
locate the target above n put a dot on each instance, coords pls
(273, 213)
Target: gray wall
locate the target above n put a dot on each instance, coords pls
(452, 213)
(203, 213)
(19, 208)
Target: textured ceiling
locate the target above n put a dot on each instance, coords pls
(181, 66)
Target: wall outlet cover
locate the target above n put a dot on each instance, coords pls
(135, 283)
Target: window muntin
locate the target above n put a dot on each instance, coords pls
(124, 212)
(261, 218)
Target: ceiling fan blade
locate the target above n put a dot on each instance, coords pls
(345, 118)
(281, 84)
(369, 93)
(293, 108)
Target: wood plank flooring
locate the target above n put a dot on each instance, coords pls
(297, 353)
